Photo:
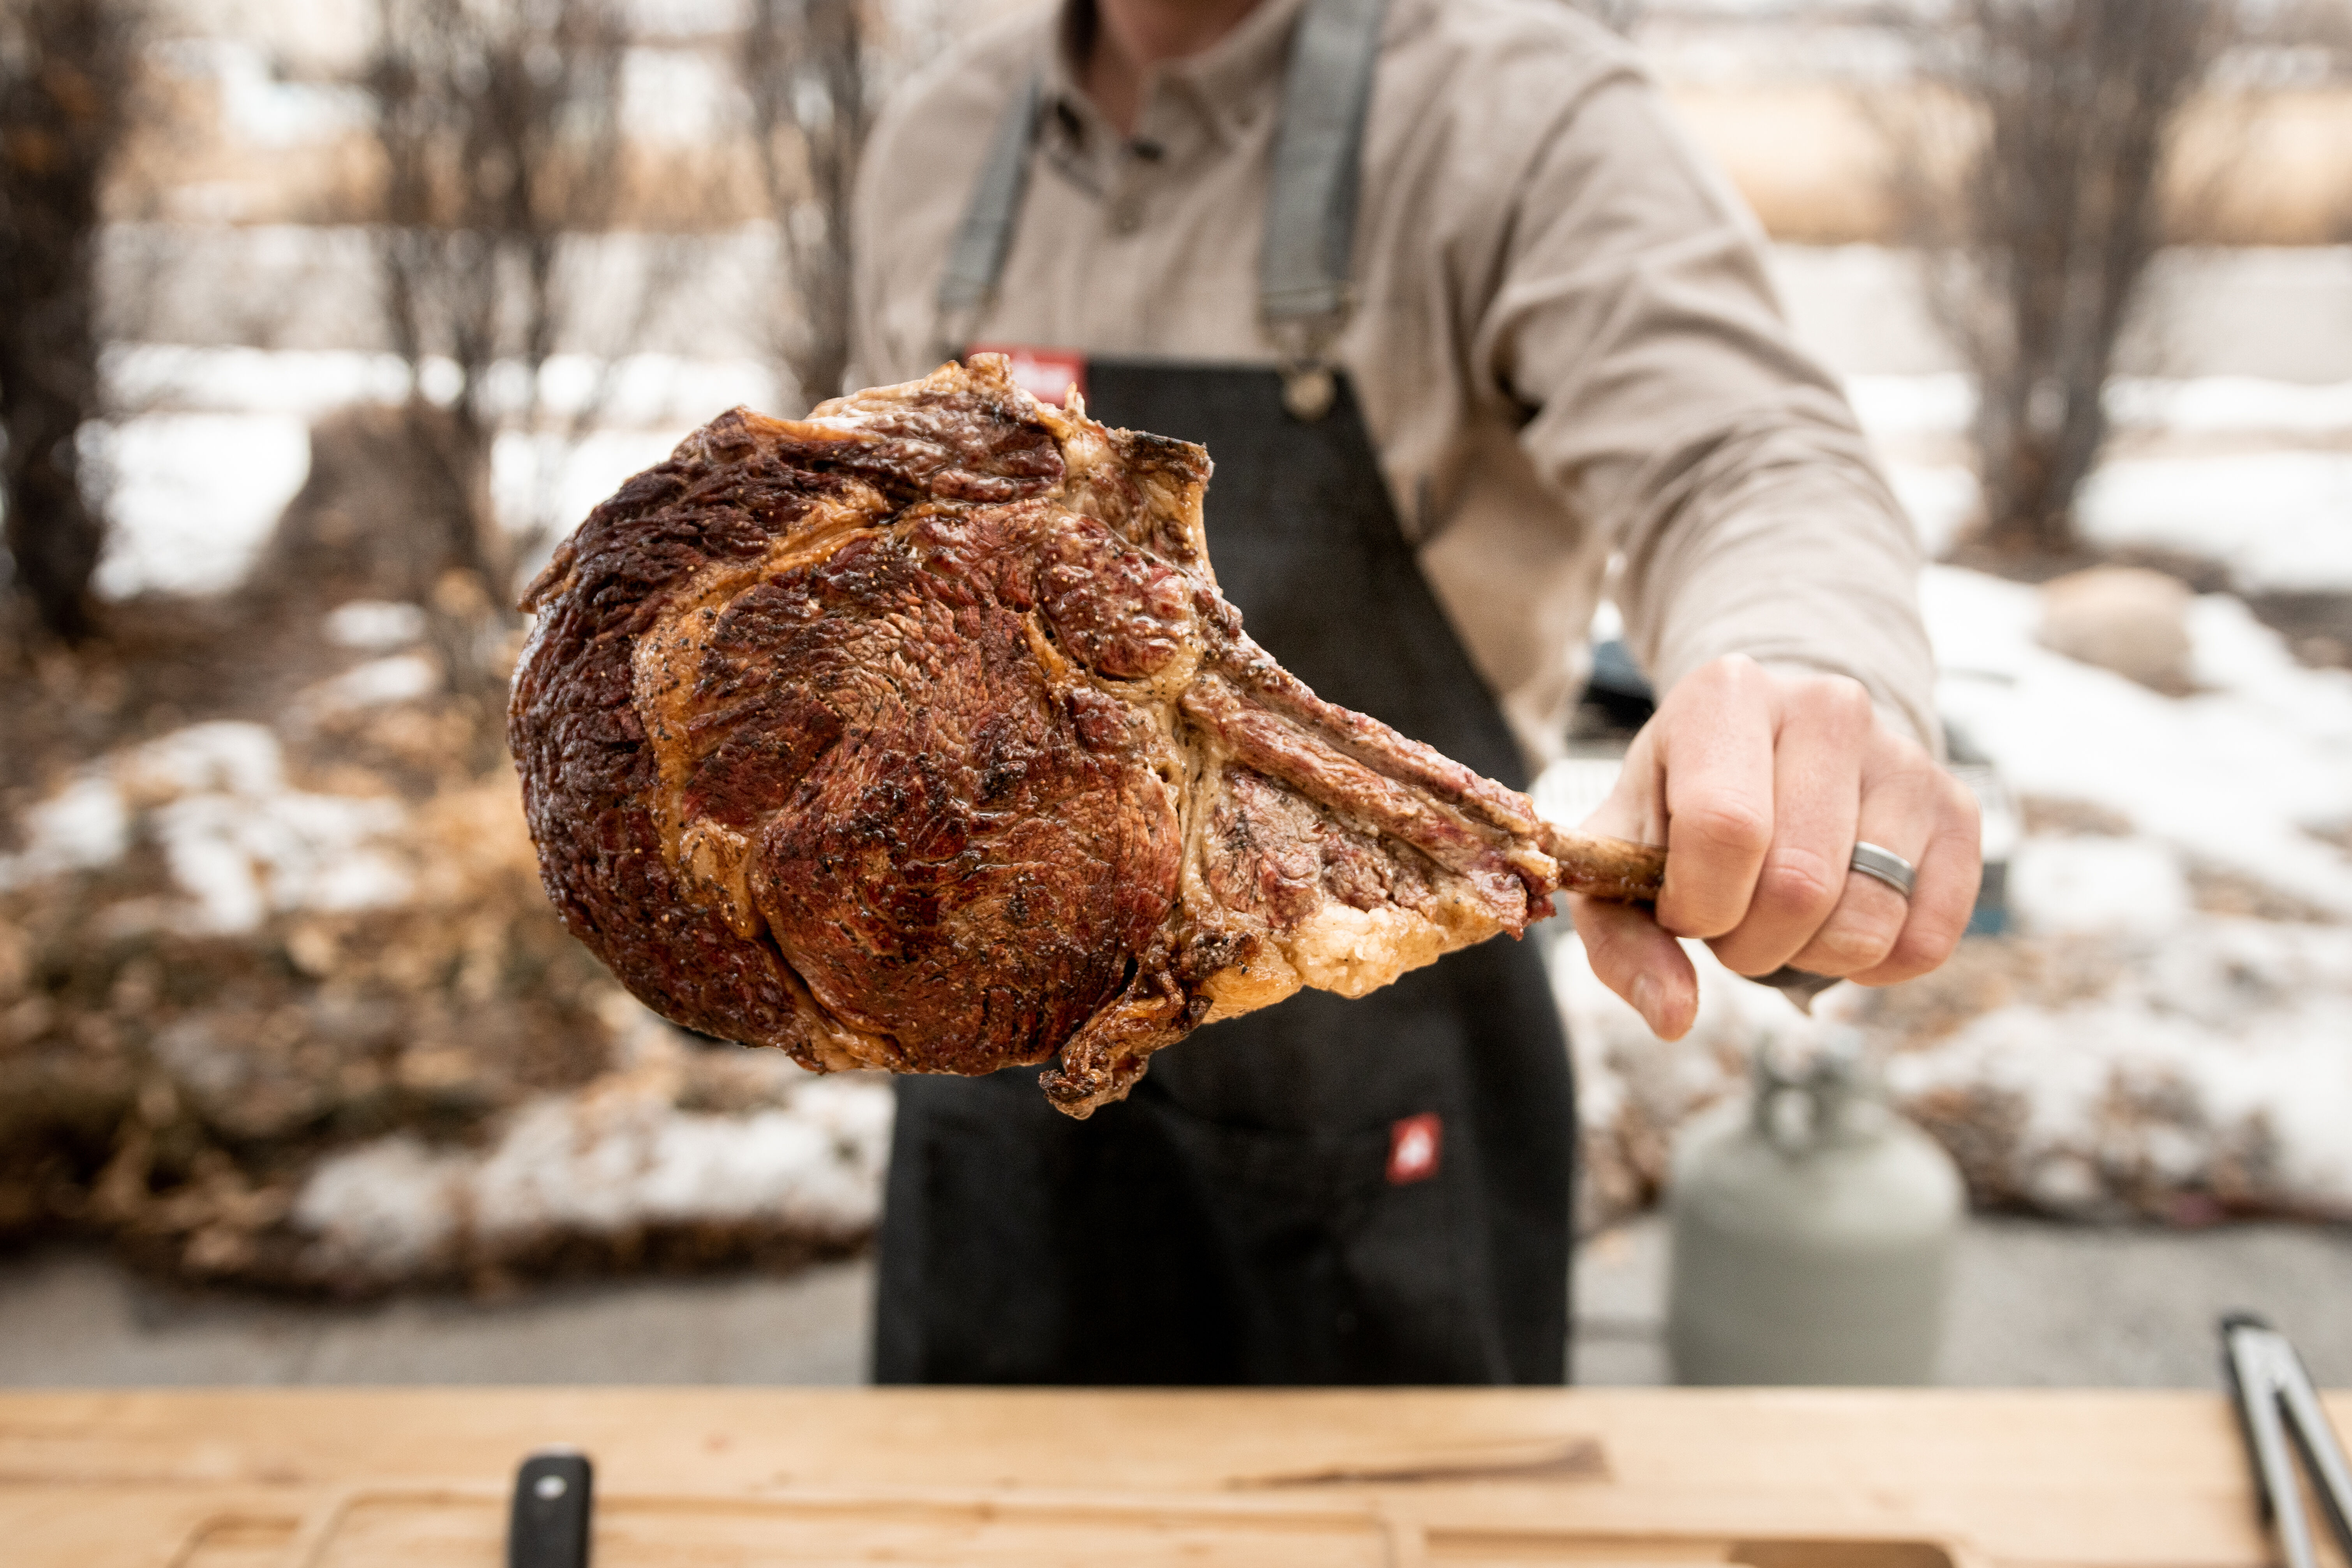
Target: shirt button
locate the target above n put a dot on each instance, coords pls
(1126, 215)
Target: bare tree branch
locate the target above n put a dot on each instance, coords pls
(499, 124)
(808, 69)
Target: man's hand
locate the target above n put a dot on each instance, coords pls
(1760, 784)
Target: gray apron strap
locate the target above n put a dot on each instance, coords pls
(977, 262)
(1303, 271)
(1310, 219)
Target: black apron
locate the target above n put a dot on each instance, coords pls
(1325, 1190)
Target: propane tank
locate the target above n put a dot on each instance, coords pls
(1813, 1232)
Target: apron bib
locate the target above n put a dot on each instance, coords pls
(1325, 1190)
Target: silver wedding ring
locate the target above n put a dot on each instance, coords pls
(1885, 865)
(1801, 985)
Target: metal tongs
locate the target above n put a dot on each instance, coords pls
(2275, 1399)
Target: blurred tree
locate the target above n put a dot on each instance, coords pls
(808, 69)
(2039, 205)
(67, 74)
(499, 128)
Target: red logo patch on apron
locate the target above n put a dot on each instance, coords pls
(1044, 374)
(1414, 1143)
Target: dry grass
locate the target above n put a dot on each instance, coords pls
(1811, 161)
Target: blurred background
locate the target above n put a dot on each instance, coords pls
(322, 320)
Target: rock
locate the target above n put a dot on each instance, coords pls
(2124, 618)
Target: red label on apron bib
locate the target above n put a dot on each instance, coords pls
(1414, 1143)
(1044, 374)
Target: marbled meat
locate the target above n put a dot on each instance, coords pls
(915, 734)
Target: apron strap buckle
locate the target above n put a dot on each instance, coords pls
(1308, 391)
(1309, 386)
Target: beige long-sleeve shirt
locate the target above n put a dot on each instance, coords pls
(1564, 344)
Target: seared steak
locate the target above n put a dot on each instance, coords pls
(916, 735)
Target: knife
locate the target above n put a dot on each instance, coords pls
(552, 1500)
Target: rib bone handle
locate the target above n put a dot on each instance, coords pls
(1612, 869)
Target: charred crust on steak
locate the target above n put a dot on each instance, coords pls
(916, 735)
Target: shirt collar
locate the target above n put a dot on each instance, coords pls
(1222, 90)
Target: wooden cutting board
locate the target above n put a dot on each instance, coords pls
(709, 1478)
(463, 1526)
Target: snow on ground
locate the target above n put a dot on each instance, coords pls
(1941, 499)
(555, 481)
(396, 677)
(2214, 1072)
(701, 1139)
(2219, 1064)
(635, 391)
(2242, 773)
(1935, 403)
(377, 625)
(2227, 404)
(1942, 403)
(194, 496)
(2280, 520)
(614, 1158)
(215, 442)
(214, 446)
(238, 841)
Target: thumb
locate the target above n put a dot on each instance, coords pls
(1629, 950)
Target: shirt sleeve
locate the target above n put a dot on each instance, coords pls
(1669, 408)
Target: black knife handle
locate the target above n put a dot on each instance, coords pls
(552, 1494)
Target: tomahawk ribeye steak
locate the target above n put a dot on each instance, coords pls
(916, 735)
